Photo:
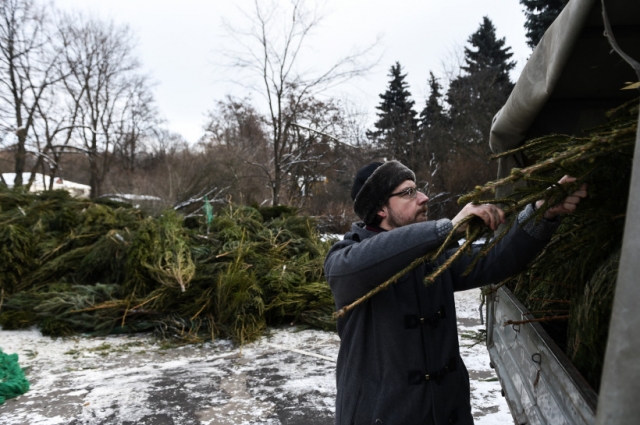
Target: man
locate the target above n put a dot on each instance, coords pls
(399, 360)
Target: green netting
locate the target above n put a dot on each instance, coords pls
(12, 380)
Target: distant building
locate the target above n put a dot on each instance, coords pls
(42, 183)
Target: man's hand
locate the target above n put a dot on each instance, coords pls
(569, 204)
(489, 213)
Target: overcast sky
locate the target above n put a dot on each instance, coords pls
(179, 44)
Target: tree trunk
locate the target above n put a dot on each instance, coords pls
(94, 179)
(21, 157)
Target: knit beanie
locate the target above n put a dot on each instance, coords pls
(374, 184)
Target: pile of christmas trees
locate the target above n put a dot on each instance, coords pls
(76, 266)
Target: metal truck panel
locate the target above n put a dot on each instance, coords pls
(540, 383)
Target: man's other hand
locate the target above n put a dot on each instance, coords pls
(569, 204)
(489, 213)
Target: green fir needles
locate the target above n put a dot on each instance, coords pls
(79, 266)
(569, 287)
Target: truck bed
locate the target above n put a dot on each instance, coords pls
(540, 383)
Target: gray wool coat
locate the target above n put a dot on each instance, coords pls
(399, 360)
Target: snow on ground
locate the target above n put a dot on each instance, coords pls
(287, 377)
(488, 405)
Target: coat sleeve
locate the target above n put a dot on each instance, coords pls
(354, 268)
(524, 240)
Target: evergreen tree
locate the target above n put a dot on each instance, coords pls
(490, 55)
(477, 95)
(433, 112)
(432, 126)
(540, 15)
(474, 98)
(433, 137)
(397, 125)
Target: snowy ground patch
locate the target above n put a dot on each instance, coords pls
(287, 377)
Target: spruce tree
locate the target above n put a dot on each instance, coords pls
(435, 142)
(474, 98)
(397, 125)
(433, 112)
(540, 15)
(432, 125)
(476, 95)
(490, 54)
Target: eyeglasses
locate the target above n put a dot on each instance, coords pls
(410, 192)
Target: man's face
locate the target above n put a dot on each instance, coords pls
(401, 210)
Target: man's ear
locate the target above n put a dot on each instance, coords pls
(383, 212)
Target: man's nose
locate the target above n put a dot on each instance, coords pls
(422, 198)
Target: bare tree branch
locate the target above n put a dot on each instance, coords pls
(271, 51)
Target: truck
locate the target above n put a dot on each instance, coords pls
(585, 64)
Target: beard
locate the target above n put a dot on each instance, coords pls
(396, 219)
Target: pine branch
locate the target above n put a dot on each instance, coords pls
(597, 147)
(415, 263)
